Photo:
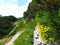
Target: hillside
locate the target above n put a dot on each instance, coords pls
(6, 25)
(47, 13)
(43, 14)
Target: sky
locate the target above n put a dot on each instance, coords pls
(13, 7)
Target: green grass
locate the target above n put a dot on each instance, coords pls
(18, 27)
(20, 24)
(26, 38)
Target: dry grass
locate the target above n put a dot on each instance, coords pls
(4, 40)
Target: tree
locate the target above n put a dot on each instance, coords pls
(12, 18)
(47, 12)
(6, 24)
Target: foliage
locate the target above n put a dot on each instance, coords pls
(19, 26)
(26, 36)
(6, 24)
(42, 30)
(47, 33)
(40, 5)
(46, 12)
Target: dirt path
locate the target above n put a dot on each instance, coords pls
(14, 38)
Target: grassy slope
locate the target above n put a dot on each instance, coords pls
(15, 29)
(18, 27)
(26, 38)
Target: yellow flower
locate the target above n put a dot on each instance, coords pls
(42, 31)
(51, 39)
(43, 38)
(46, 35)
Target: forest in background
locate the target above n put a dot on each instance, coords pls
(7, 23)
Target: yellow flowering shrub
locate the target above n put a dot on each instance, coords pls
(42, 32)
(51, 39)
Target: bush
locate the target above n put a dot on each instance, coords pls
(26, 38)
(47, 33)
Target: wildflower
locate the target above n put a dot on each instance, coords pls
(51, 39)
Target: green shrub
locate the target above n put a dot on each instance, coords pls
(26, 38)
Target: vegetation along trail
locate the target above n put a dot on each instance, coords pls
(14, 38)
